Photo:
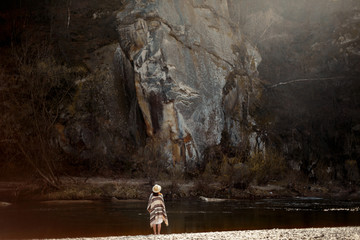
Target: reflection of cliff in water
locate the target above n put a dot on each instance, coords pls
(90, 219)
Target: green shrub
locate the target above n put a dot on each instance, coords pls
(150, 162)
(202, 188)
(242, 176)
(352, 171)
(266, 167)
(323, 173)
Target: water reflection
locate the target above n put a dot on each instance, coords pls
(91, 219)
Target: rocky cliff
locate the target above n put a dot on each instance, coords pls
(180, 72)
(310, 55)
(190, 67)
(186, 76)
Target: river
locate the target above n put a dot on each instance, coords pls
(105, 218)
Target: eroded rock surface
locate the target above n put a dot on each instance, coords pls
(187, 74)
(182, 55)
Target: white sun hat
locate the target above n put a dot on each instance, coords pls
(156, 188)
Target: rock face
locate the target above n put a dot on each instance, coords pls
(310, 53)
(187, 74)
(93, 129)
(197, 80)
(190, 68)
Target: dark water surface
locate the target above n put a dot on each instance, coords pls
(93, 219)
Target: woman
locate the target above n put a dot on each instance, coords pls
(156, 208)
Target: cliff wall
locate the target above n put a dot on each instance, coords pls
(193, 81)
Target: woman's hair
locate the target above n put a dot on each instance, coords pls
(155, 194)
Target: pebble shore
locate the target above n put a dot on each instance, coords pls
(338, 233)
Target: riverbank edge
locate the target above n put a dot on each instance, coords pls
(332, 233)
(76, 188)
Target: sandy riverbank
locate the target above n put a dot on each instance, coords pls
(338, 233)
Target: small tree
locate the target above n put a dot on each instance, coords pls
(34, 92)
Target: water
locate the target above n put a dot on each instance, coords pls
(94, 219)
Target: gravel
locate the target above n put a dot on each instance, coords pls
(338, 233)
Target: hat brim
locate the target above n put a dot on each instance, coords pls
(156, 189)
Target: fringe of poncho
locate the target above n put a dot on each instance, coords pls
(156, 207)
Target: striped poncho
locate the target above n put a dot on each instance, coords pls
(156, 208)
